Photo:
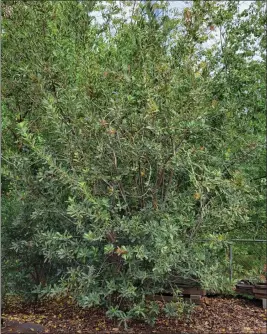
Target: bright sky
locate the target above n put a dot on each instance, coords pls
(174, 4)
(181, 4)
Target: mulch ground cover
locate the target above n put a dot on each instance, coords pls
(214, 315)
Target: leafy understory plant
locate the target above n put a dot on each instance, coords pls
(122, 317)
(179, 309)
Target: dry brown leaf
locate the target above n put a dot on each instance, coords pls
(120, 251)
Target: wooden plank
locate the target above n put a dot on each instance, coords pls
(244, 286)
(244, 292)
(196, 299)
(249, 293)
(168, 298)
(161, 298)
(260, 296)
(194, 291)
(260, 291)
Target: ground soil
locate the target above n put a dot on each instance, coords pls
(214, 315)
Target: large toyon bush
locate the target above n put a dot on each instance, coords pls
(124, 143)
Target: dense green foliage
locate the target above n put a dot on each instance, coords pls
(126, 142)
